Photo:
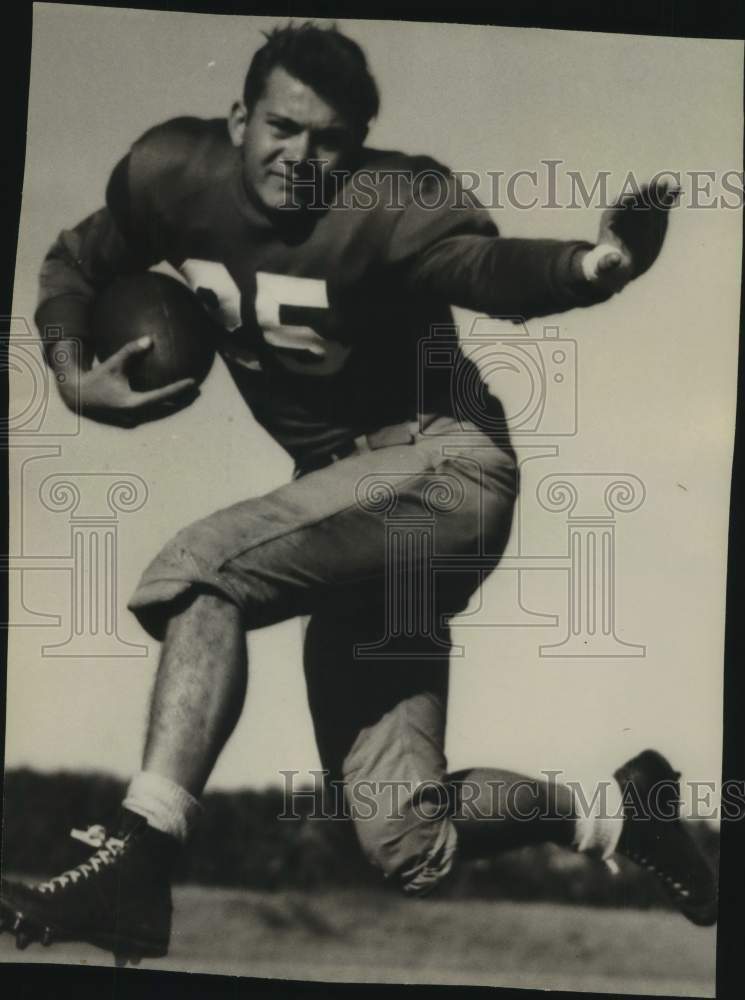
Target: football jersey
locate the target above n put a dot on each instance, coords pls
(332, 316)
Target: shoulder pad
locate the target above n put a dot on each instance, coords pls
(177, 158)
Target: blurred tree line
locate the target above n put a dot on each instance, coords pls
(241, 842)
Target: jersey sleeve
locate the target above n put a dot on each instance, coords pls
(448, 246)
(128, 235)
(161, 170)
(80, 262)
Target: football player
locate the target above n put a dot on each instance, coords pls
(327, 262)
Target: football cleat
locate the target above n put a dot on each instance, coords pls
(654, 837)
(118, 899)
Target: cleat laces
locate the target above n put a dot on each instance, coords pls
(109, 848)
(94, 836)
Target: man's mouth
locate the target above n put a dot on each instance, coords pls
(298, 178)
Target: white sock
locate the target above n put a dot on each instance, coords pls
(599, 818)
(165, 805)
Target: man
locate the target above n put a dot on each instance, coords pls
(327, 263)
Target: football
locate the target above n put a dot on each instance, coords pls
(160, 307)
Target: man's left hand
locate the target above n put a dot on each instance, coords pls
(630, 237)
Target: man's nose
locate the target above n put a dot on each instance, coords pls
(297, 148)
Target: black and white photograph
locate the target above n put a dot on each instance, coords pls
(370, 439)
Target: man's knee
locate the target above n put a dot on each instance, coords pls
(182, 571)
(413, 844)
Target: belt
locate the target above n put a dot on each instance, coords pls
(383, 437)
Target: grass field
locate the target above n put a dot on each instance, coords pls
(361, 936)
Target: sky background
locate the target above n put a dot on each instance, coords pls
(656, 385)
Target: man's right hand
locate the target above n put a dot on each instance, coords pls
(103, 393)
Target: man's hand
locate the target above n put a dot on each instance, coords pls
(104, 394)
(630, 237)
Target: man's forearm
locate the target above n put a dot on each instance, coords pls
(80, 262)
(506, 277)
(68, 351)
(63, 325)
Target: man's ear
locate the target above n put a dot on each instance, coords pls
(237, 120)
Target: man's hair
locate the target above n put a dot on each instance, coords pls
(322, 58)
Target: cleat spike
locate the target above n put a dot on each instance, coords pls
(612, 866)
(23, 940)
(118, 900)
(666, 849)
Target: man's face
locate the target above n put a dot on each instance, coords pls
(289, 126)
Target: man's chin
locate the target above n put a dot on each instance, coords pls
(277, 196)
(284, 197)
